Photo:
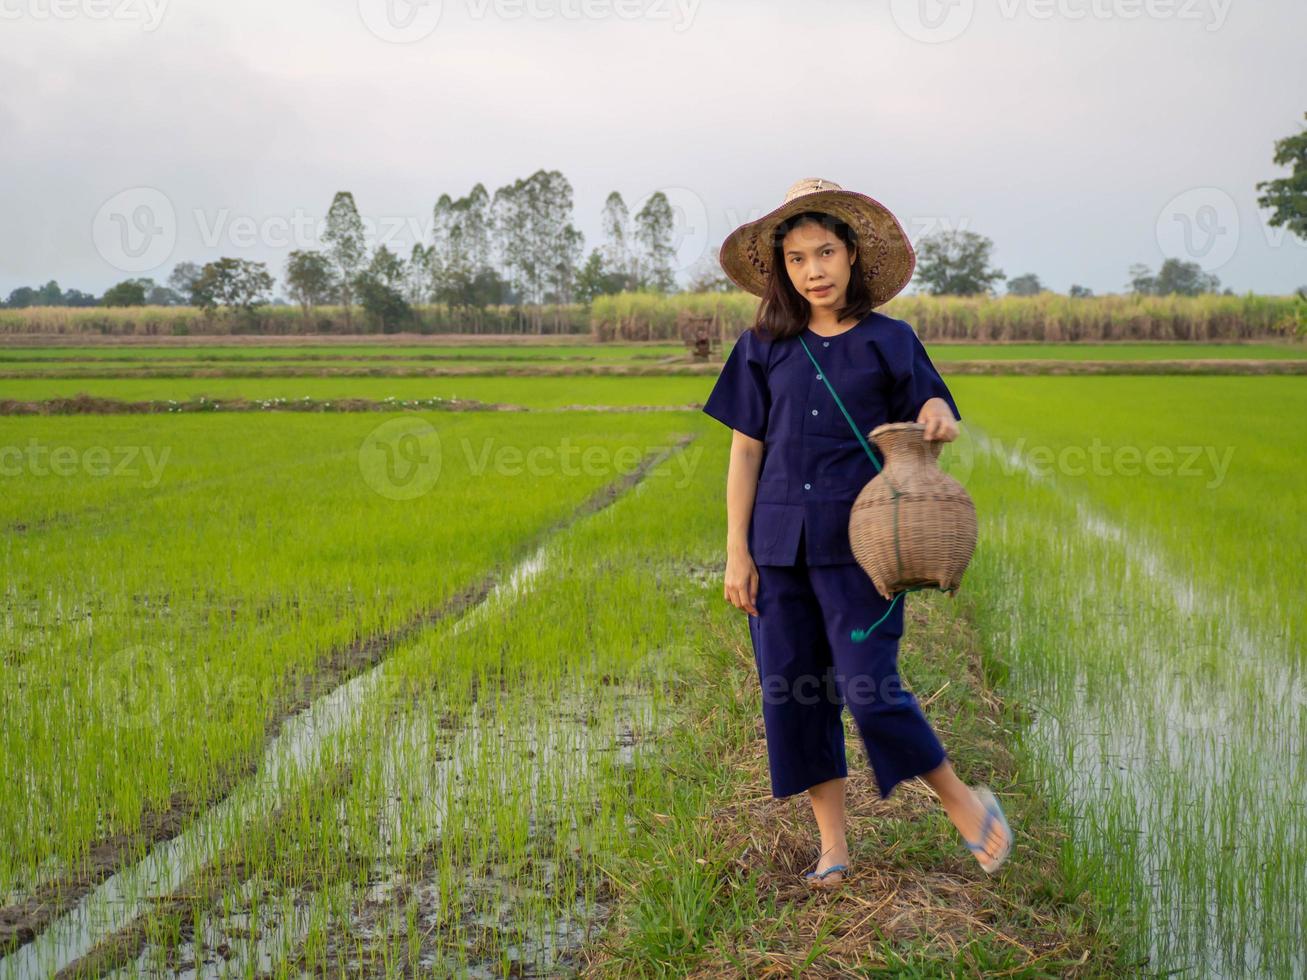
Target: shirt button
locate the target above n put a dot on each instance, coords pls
(825, 343)
(814, 411)
(807, 486)
(819, 377)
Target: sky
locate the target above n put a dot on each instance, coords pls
(1081, 136)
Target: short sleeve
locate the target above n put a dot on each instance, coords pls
(915, 379)
(740, 398)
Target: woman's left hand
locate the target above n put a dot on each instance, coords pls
(939, 421)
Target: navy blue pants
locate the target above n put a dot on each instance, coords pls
(810, 668)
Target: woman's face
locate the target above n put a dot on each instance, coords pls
(819, 264)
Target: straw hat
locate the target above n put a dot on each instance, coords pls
(888, 258)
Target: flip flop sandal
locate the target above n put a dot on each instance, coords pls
(992, 812)
(814, 877)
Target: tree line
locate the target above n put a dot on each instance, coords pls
(519, 248)
(958, 263)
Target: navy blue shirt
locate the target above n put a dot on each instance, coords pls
(813, 465)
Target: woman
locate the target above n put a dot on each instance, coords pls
(796, 467)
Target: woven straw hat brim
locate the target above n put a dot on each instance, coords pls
(888, 258)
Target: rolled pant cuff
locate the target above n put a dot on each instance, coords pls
(886, 787)
(783, 791)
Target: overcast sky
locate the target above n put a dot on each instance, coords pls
(1080, 135)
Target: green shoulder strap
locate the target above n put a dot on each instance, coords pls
(859, 635)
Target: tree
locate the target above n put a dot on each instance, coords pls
(477, 228)
(346, 247)
(617, 260)
(596, 278)
(1185, 278)
(158, 295)
(75, 297)
(379, 289)
(1142, 280)
(459, 264)
(956, 263)
(417, 277)
(310, 279)
(653, 232)
(182, 280)
(539, 246)
(707, 277)
(21, 298)
(48, 295)
(129, 292)
(515, 232)
(561, 278)
(1175, 277)
(1080, 292)
(238, 284)
(1287, 196)
(1027, 285)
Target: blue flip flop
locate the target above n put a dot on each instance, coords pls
(992, 812)
(814, 877)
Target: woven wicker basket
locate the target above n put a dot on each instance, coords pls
(912, 525)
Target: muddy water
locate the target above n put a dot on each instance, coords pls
(403, 913)
(1173, 729)
(296, 753)
(293, 759)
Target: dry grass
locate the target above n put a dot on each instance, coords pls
(915, 901)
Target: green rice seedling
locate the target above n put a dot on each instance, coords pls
(1167, 693)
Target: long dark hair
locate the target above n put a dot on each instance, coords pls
(782, 312)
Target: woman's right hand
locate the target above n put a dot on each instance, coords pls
(742, 580)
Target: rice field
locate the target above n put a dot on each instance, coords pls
(1143, 590)
(541, 391)
(416, 693)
